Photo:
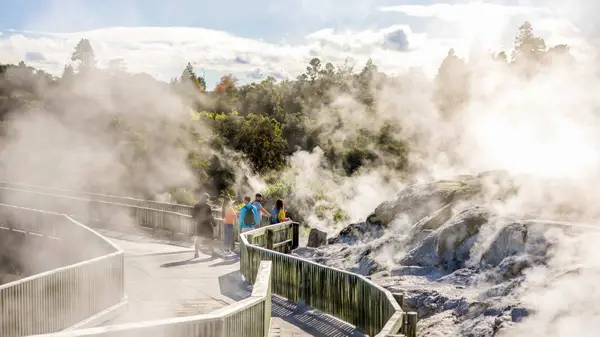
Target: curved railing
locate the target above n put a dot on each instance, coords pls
(89, 282)
(163, 206)
(98, 210)
(102, 214)
(249, 318)
(350, 297)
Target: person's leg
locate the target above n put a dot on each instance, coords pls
(227, 236)
(196, 246)
(235, 237)
(211, 243)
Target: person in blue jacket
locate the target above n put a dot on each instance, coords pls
(248, 216)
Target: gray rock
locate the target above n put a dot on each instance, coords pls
(462, 277)
(420, 200)
(425, 302)
(510, 241)
(492, 311)
(476, 309)
(366, 266)
(501, 290)
(482, 326)
(431, 222)
(424, 254)
(416, 271)
(513, 266)
(316, 238)
(357, 232)
(449, 246)
(455, 304)
(455, 233)
(428, 264)
(518, 314)
(307, 252)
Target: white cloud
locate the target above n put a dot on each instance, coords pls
(490, 23)
(163, 51)
(464, 12)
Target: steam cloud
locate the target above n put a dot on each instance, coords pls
(544, 129)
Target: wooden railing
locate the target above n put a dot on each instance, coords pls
(163, 206)
(249, 318)
(345, 295)
(101, 213)
(59, 298)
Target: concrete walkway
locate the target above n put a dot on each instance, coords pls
(163, 281)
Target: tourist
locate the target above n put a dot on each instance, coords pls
(228, 214)
(204, 221)
(248, 216)
(258, 199)
(278, 213)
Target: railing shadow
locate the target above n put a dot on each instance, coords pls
(309, 320)
(187, 262)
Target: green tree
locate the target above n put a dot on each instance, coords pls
(189, 77)
(84, 53)
(451, 84)
(258, 137)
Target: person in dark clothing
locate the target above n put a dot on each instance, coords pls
(202, 215)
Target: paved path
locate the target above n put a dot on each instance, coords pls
(162, 281)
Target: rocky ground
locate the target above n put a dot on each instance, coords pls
(458, 256)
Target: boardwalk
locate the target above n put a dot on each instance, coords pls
(163, 281)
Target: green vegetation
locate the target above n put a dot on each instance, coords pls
(259, 124)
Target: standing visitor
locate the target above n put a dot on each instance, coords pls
(258, 199)
(204, 221)
(229, 215)
(278, 213)
(248, 216)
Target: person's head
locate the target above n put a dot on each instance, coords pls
(247, 200)
(279, 204)
(258, 197)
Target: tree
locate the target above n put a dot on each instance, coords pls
(188, 76)
(527, 45)
(188, 72)
(451, 83)
(258, 137)
(227, 84)
(84, 53)
(314, 69)
(68, 73)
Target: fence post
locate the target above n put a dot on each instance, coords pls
(303, 284)
(295, 235)
(399, 298)
(269, 244)
(409, 324)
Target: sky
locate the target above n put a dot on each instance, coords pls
(260, 38)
